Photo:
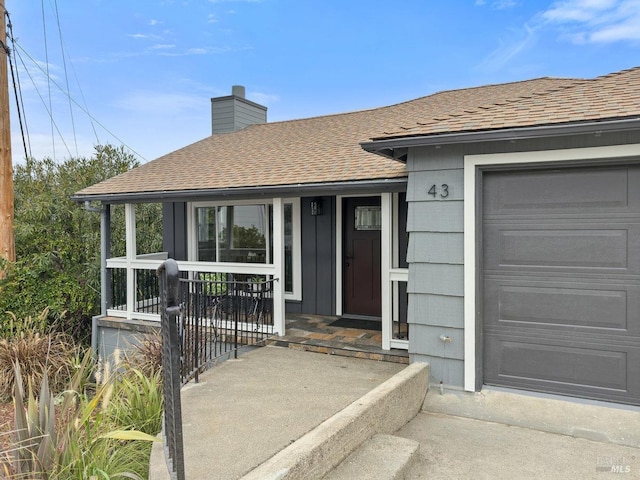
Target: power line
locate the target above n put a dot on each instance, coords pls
(46, 59)
(16, 89)
(66, 76)
(82, 108)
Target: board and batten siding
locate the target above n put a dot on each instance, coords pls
(435, 222)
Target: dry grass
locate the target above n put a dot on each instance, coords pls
(147, 355)
(35, 352)
(6, 425)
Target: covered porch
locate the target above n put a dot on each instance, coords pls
(267, 272)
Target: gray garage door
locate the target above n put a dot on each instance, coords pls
(561, 281)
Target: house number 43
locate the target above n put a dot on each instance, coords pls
(441, 191)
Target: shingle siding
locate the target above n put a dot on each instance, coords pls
(436, 243)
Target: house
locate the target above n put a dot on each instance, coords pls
(500, 223)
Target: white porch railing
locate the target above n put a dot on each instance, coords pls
(399, 337)
(135, 289)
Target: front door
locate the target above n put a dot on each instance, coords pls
(362, 261)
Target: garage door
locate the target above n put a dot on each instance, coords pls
(561, 281)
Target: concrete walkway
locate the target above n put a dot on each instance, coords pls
(245, 411)
(277, 413)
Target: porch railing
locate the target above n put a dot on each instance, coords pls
(220, 314)
(399, 337)
(134, 290)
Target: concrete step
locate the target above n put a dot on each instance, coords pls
(383, 457)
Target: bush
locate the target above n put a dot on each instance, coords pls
(88, 439)
(146, 355)
(58, 242)
(35, 352)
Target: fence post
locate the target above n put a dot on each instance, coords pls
(170, 313)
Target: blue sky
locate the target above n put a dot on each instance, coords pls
(145, 70)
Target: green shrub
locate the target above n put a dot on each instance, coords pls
(58, 242)
(86, 441)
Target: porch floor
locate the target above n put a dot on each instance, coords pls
(313, 333)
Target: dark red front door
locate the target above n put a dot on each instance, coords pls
(361, 251)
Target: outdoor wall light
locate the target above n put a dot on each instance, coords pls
(316, 207)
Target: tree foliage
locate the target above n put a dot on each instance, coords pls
(58, 242)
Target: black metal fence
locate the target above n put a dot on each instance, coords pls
(172, 422)
(205, 316)
(220, 314)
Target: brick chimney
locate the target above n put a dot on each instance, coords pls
(234, 112)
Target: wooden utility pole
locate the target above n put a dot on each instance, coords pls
(7, 243)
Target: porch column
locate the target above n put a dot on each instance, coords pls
(386, 246)
(105, 253)
(130, 233)
(278, 264)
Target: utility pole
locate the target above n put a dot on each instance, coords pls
(7, 242)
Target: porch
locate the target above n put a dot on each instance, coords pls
(318, 333)
(309, 333)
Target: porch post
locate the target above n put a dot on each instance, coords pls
(278, 264)
(386, 245)
(105, 253)
(130, 233)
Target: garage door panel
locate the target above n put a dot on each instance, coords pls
(560, 368)
(554, 191)
(601, 247)
(561, 281)
(558, 305)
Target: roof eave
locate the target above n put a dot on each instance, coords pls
(306, 189)
(396, 148)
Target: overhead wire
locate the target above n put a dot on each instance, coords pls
(46, 59)
(16, 52)
(66, 76)
(84, 110)
(17, 90)
(54, 125)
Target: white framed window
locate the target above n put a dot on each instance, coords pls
(241, 232)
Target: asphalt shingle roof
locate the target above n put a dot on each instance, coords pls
(327, 149)
(613, 96)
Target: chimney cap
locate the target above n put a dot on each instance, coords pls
(238, 91)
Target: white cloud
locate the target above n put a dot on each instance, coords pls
(163, 47)
(595, 21)
(153, 22)
(266, 99)
(211, 18)
(155, 103)
(137, 35)
(517, 42)
(497, 4)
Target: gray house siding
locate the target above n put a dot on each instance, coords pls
(435, 253)
(318, 259)
(435, 258)
(174, 229)
(232, 113)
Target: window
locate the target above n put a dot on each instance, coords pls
(232, 233)
(242, 233)
(368, 218)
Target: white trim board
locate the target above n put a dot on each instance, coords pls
(471, 164)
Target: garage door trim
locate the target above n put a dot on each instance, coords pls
(474, 166)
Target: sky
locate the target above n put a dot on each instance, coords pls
(141, 73)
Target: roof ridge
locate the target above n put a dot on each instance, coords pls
(405, 102)
(508, 100)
